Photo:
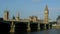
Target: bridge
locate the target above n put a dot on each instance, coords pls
(25, 25)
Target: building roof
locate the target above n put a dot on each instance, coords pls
(58, 17)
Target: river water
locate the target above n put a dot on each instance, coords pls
(51, 31)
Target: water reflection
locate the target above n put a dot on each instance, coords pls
(51, 31)
(12, 33)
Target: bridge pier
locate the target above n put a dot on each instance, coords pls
(49, 26)
(38, 27)
(45, 26)
(28, 27)
(12, 27)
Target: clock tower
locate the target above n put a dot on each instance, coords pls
(46, 14)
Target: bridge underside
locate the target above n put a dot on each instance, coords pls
(21, 27)
(4, 27)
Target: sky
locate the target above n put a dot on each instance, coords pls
(28, 8)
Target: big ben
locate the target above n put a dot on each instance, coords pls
(46, 15)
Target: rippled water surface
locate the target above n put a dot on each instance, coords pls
(51, 31)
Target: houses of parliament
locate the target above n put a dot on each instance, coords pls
(31, 18)
(33, 23)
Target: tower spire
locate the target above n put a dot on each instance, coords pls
(46, 8)
(6, 14)
(17, 16)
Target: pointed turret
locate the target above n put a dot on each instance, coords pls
(17, 16)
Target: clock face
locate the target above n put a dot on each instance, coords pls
(46, 11)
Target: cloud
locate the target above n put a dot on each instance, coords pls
(36, 0)
(54, 9)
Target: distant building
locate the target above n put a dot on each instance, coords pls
(6, 15)
(58, 20)
(33, 18)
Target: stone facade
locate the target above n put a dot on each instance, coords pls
(6, 15)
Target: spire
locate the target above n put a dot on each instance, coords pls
(46, 8)
(17, 15)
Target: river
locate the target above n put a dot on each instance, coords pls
(51, 31)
